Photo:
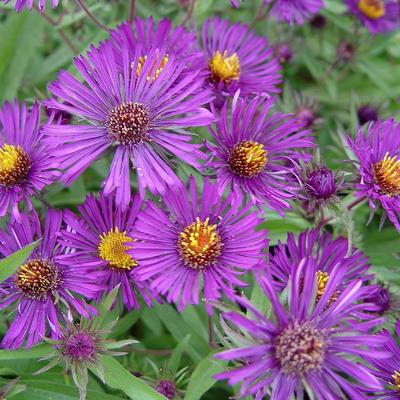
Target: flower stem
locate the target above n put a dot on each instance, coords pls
(91, 16)
(132, 11)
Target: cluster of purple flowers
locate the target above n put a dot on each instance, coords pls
(141, 95)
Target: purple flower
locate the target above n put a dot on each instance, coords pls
(42, 290)
(294, 11)
(146, 34)
(328, 254)
(387, 369)
(378, 152)
(238, 59)
(28, 4)
(306, 346)
(254, 154)
(235, 3)
(378, 16)
(26, 164)
(283, 52)
(194, 239)
(100, 239)
(166, 388)
(141, 111)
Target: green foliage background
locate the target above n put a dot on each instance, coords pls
(32, 50)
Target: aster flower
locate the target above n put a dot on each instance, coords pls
(378, 152)
(387, 301)
(238, 59)
(328, 254)
(140, 111)
(100, 239)
(194, 238)
(283, 52)
(387, 370)
(378, 16)
(255, 152)
(294, 11)
(26, 165)
(147, 34)
(42, 292)
(28, 4)
(306, 346)
(367, 113)
(320, 186)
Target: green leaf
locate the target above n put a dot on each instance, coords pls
(118, 377)
(174, 361)
(202, 377)
(259, 299)
(22, 354)
(20, 36)
(11, 263)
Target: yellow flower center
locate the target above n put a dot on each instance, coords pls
(36, 278)
(387, 175)
(224, 68)
(247, 159)
(200, 244)
(155, 69)
(396, 380)
(373, 9)
(112, 248)
(322, 281)
(14, 165)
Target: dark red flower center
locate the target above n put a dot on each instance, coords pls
(128, 124)
(14, 165)
(36, 278)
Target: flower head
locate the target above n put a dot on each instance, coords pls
(387, 369)
(294, 11)
(26, 165)
(238, 59)
(328, 255)
(139, 110)
(42, 291)
(255, 151)
(378, 16)
(28, 4)
(194, 238)
(305, 345)
(100, 239)
(367, 113)
(378, 153)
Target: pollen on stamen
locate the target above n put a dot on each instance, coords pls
(14, 165)
(128, 124)
(200, 244)
(155, 69)
(387, 175)
(396, 380)
(112, 248)
(247, 159)
(373, 9)
(224, 68)
(322, 281)
(36, 278)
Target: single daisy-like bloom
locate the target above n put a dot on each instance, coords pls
(178, 41)
(26, 165)
(387, 369)
(238, 59)
(197, 239)
(294, 11)
(100, 239)
(328, 254)
(378, 152)
(378, 16)
(42, 292)
(305, 346)
(255, 152)
(28, 4)
(140, 111)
